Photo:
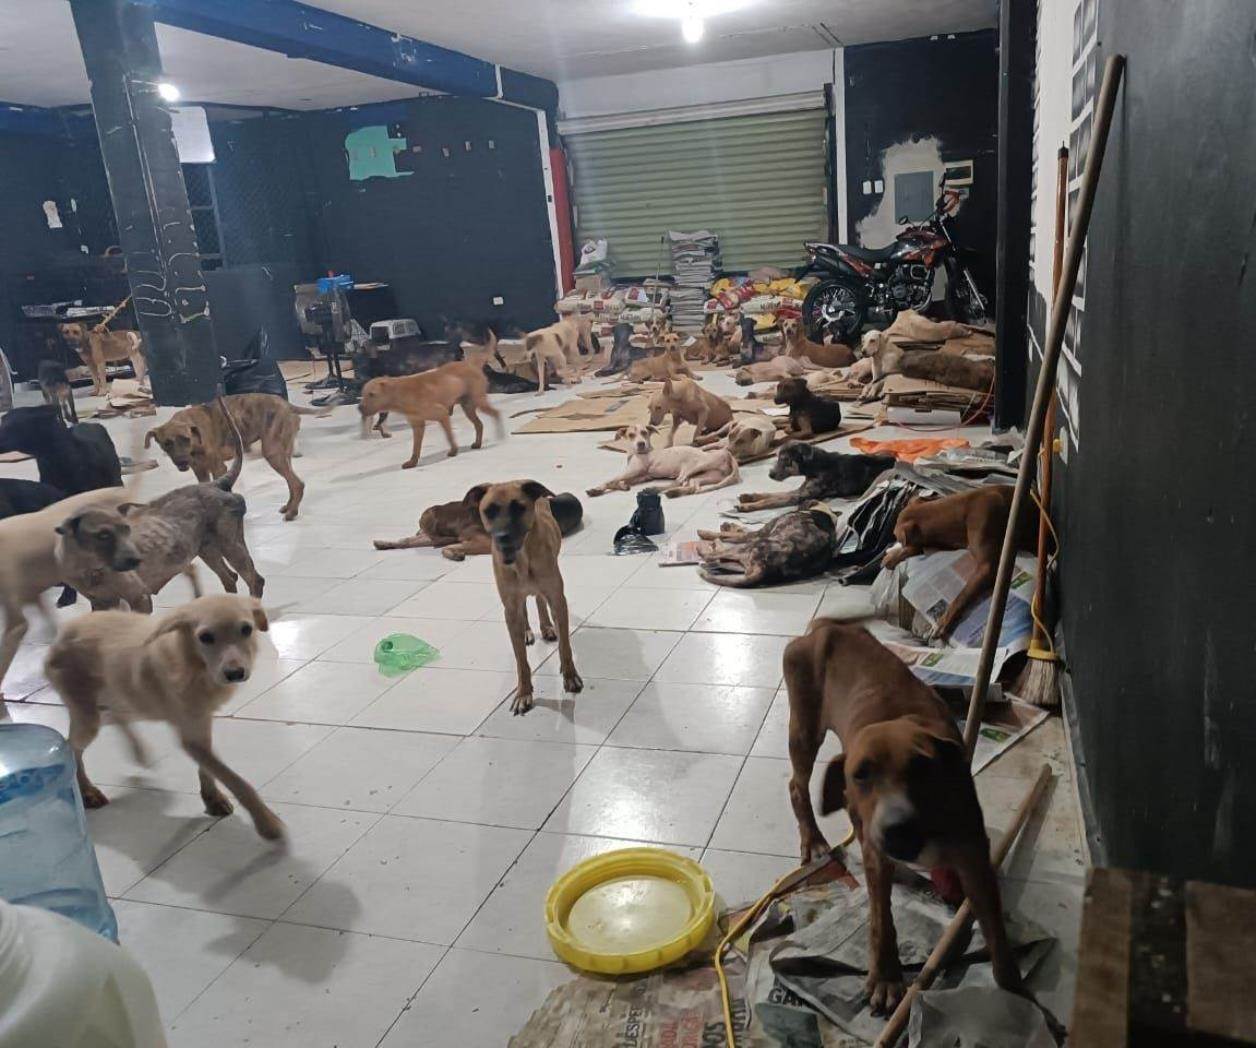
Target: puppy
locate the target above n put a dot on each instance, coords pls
(973, 520)
(686, 401)
(178, 668)
(950, 369)
(456, 529)
(430, 397)
(199, 438)
(796, 344)
(826, 475)
(809, 413)
(661, 366)
(695, 470)
(57, 390)
(526, 541)
(72, 460)
(98, 348)
(903, 777)
(560, 346)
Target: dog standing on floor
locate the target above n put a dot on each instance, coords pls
(178, 668)
(430, 397)
(526, 541)
(200, 438)
(903, 777)
(98, 348)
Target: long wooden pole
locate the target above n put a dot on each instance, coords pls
(1045, 389)
(958, 928)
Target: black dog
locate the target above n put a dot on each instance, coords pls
(622, 352)
(80, 458)
(55, 387)
(751, 348)
(826, 475)
(27, 496)
(808, 412)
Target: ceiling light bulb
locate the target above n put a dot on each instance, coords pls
(692, 29)
(169, 92)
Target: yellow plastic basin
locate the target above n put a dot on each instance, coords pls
(630, 910)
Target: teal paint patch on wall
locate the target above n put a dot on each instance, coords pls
(372, 154)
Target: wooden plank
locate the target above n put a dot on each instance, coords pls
(1220, 947)
(1101, 1006)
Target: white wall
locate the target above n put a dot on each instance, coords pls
(749, 78)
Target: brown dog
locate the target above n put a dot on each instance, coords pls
(178, 668)
(98, 348)
(950, 369)
(526, 541)
(667, 364)
(430, 397)
(903, 777)
(199, 438)
(973, 520)
(686, 401)
(800, 347)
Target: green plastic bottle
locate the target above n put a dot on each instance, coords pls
(399, 653)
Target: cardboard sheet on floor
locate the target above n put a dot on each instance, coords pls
(901, 391)
(590, 414)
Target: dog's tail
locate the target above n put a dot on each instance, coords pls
(314, 412)
(237, 441)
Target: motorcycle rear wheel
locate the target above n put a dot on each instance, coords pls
(834, 307)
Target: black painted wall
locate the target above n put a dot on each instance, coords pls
(1157, 505)
(943, 87)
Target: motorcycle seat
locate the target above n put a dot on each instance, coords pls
(878, 254)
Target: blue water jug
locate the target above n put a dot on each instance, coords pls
(46, 856)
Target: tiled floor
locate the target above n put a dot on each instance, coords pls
(425, 821)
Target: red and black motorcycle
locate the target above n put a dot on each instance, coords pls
(859, 284)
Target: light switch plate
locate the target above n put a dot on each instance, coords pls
(498, 300)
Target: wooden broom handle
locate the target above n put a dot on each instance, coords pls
(958, 928)
(1045, 391)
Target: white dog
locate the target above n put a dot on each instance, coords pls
(695, 470)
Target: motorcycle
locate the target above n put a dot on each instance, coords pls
(859, 284)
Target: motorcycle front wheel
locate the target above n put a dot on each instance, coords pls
(967, 304)
(834, 307)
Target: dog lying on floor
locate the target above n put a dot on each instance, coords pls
(796, 344)
(695, 470)
(950, 369)
(98, 348)
(773, 370)
(178, 668)
(747, 436)
(129, 551)
(795, 545)
(903, 777)
(974, 520)
(526, 540)
(661, 366)
(826, 475)
(455, 528)
(809, 413)
(80, 458)
(200, 438)
(686, 401)
(430, 397)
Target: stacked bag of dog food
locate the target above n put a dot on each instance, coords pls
(634, 304)
(767, 295)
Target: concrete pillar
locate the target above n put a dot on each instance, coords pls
(150, 200)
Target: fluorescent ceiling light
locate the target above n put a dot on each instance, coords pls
(692, 29)
(168, 91)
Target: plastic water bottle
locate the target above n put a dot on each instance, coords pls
(46, 856)
(399, 653)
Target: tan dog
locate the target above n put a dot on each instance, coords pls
(178, 668)
(560, 346)
(98, 348)
(430, 396)
(686, 401)
(973, 520)
(695, 470)
(773, 370)
(710, 345)
(199, 438)
(747, 436)
(903, 777)
(798, 345)
(661, 366)
(950, 369)
(526, 542)
(29, 565)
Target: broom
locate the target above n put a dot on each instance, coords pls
(1039, 682)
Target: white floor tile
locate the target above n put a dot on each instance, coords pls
(616, 654)
(436, 699)
(361, 597)
(744, 877)
(297, 636)
(418, 564)
(329, 564)
(645, 609)
(299, 987)
(725, 658)
(451, 600)
(359, 646)
(707, 718)
(182, 951)
(411, 878)
(559, 716)
(320, 693)
(475, 999)
(498, 782)
(138, 830)
(486, 646)
(752, 611)
(360, 768)
(773, 740)
(648, 795)
(230, 869)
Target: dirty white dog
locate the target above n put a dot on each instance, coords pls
(695, 470)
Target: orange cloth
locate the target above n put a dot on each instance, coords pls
(906, 450)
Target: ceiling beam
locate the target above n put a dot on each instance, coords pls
(301, 31)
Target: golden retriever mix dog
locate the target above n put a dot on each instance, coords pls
(98, 348)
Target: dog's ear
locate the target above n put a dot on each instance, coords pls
(934, 740)
(150, 436)
(621, 432)
(69, 526)
(126, 508)
(833, 790)
(667, 386)
(173, 623)
(534, 489)
(195, 433)
(651, 428)
(259, 616)
(473, 497)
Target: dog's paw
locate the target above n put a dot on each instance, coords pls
(93, 798)
(409, 463)
(595, 492)
(814, 848)
(289, 514)
(521, 703)
(453, 554)
(528, 636)
(268, 825)
(884, 993)
(549, 633)
(218, 806)
(572, 682)
(451, 453)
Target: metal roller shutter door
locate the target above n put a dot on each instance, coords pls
(757, 181)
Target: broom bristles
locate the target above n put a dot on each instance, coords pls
(1039, 681)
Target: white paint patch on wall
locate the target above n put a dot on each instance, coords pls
(51, 215)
